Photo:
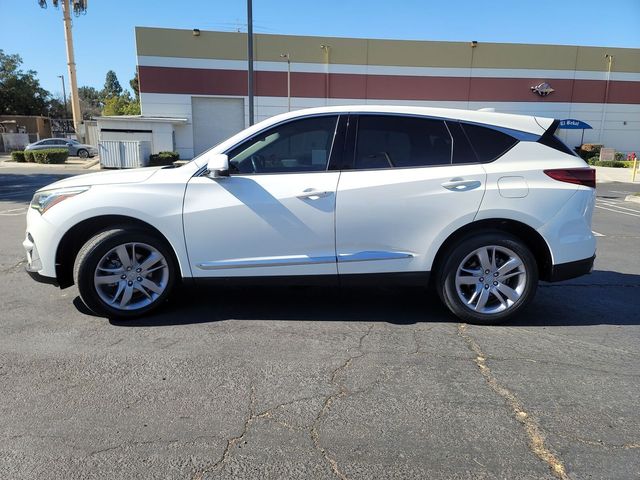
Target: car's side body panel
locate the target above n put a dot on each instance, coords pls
(157, 201)
(388, 220)
(561, 212)
(246, 225)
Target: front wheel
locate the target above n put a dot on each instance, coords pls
(488, 278)
(124, 272)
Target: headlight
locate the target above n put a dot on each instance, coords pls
(43, 201)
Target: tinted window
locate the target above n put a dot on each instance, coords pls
(387, 141)
(462, 151)
(298, 146)
(487, 143)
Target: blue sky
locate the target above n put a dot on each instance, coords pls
(104, 37)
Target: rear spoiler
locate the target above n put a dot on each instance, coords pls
(549, 139)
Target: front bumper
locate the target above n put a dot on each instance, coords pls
(41, 278)
(565, 271)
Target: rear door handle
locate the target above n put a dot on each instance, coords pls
(313, 194)
(459, 185)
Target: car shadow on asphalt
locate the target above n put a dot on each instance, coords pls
(600, 298)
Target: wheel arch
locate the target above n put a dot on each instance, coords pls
(528, 235)
(73, 240)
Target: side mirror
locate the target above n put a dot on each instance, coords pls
(218, 166)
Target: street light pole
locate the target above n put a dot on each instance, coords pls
(66, 114)
(250, 57)
(288, 57)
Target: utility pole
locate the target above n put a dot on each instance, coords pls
(250, 57)
(288, 57)
(75, 99)
(66, 114)
(609, 59)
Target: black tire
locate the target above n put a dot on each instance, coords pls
(448, 290)
(82, 153)
(95, 249)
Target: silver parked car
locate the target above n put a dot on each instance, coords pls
(76, 149)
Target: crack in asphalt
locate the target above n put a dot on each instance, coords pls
(342, 391)
(13, 268)
(233, 441)
(531, 427)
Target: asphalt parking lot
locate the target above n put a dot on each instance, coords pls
(320, 383)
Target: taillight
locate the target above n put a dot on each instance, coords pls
(579, 176)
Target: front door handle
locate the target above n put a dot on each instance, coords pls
(460, 185)
(313, 194)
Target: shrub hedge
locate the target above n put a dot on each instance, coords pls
(163, 158)
(51, 155)
(18, 156)
(28, 156)
(610, 163)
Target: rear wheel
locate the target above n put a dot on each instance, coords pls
(488, 278)
(124, 272)
(82, 153)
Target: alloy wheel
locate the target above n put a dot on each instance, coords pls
(491, 279)
(131, 276)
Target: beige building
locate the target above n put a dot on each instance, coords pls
(203, 78)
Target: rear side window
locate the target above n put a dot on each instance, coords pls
(388, 141)
(488, 144)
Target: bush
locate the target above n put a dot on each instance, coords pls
(609, 163)
(51, 155)
(163, 158)
(18, 156)
(588, 150)
(28, 156)
(619, 156)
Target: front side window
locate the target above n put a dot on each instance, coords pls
(299, 146)
(391, 141)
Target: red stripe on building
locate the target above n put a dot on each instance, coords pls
(196, 81)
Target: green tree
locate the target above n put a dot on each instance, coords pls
(135, 85)
(91, 102)
(20, 92)
(112, 87)
(56, 108)
(121, 105)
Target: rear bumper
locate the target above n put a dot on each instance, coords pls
(565, 271)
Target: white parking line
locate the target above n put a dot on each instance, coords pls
(618, 211)
(615, 205)
(596, 234)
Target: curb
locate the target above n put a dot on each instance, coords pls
(632, 198)
(91, 163)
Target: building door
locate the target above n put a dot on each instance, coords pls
(214, 120)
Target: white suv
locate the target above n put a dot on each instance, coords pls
(479, 205)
